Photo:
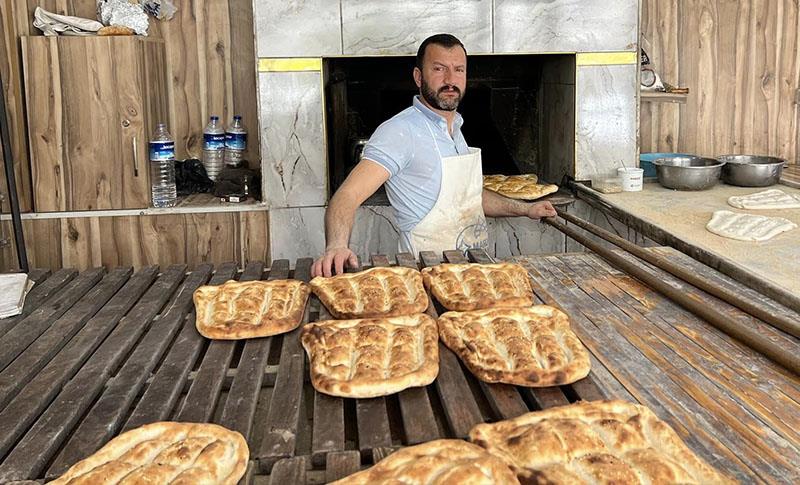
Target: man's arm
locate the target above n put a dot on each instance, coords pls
(362, 182)
(495, 205)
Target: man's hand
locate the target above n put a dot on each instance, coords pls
(334, 258)
(542, 209)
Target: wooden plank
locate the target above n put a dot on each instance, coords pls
(289, 470)
(38, 296)
(282, 419)
(39, 353)
(240, 407)
(203, 395)
(327, 428)
(341, 464)
(43, 438)
(36, 395)
(111, 399)
(163, 392)
(645, 380)
(460, 408)
(505, 400)
(24, 333)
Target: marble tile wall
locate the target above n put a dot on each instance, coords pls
(606, 124)
(514, 236)
(294, 158)
(603, 220)
(297, 28)
(372, 27)
(565, 25)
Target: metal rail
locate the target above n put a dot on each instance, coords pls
(737, 330)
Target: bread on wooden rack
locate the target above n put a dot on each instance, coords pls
(523, 187)
(372, 357)
(468, 286)
(529, 346)
(436, 462)
(594, 442)
(165, 452)
(376, 292)
(248, 309)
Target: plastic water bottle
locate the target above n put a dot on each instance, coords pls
(213, 147)
(162, 168)
(235, 142)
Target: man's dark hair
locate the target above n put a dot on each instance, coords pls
(444, 40)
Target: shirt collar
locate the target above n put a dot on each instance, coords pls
(436, 118)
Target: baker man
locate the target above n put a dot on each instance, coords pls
(433, 179)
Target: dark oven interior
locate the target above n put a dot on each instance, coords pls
(519, 109)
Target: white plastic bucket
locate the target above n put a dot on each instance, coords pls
(631, 179)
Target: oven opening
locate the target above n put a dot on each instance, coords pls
(518, 109)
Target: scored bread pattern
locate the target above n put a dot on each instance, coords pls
(436, 462)
(250, 309)
(380, 291)
(372, 357)
(463, 287)
(524, 346)
(523, 187)
(594, 442)
(165, 452)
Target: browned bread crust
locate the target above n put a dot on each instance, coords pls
(239, 310)
(463, 287)
(372, 357)
(594, 442)
(376, 292)
(531, 346)
(165, 452)
(524, 187)
(436, 462)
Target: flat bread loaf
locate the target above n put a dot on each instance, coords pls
(747, 227)
(239, 310)
(531, 346)
(594, 442)
(165, 452)
(372, 357)
(436, 462)
(463, 287)
(376, 292)
(523, 187)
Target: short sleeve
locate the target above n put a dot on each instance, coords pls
(391, 146)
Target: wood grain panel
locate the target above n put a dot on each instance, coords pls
(254, 237)
(212, 237)
(741, 62)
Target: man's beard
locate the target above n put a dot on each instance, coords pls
(438, 101)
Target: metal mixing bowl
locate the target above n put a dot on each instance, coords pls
(751, 170)
(688, 173)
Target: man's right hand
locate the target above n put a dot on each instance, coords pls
(334, 259)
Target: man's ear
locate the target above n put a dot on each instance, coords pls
(418, 77)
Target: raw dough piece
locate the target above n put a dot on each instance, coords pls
(768, 199)
(747, 227)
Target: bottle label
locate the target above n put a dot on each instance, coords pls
(162, 150)
(236, 141)
(214, 141)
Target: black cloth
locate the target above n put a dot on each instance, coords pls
(232, 181)
(191, 177)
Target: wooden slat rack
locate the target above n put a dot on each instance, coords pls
(97, 353)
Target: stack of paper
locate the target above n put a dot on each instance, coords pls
(13, 289)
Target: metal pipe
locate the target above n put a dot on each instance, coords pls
(736, 330)
(792, 327)
(19, 239)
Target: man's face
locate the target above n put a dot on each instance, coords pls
(443, 78)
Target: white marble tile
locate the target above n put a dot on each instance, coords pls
(297, 28)
(293, 153)
(605, 111)
(514, 236)
(299, 232)
(371, 27)
(565, 25)
(601, 219)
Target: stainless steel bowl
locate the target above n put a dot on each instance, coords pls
(688, 173)
(751, 170)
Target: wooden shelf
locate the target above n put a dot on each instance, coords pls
(656, 97)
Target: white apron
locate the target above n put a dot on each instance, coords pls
(456, 220)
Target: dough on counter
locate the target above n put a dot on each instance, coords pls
(768, 199)
(747, 227)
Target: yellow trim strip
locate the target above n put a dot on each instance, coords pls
(604, 58)
(290, 64)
